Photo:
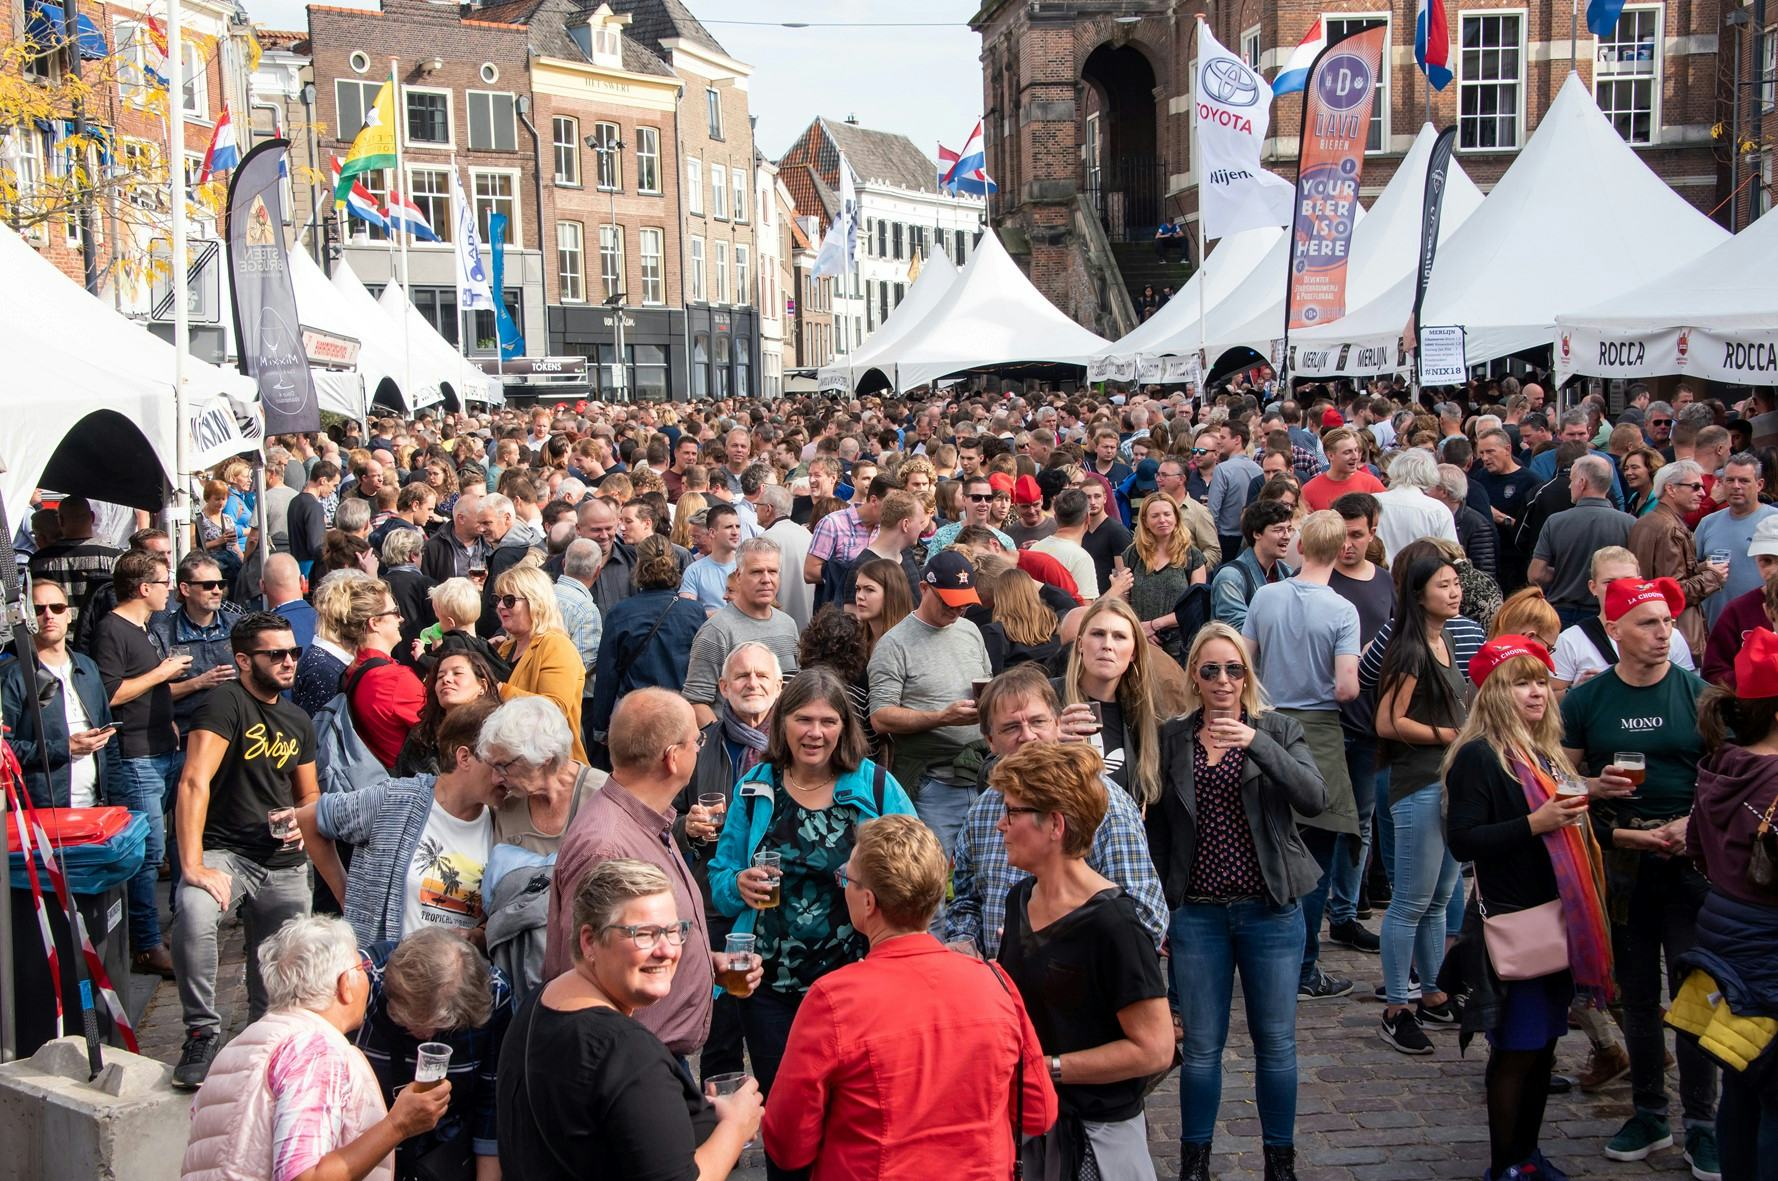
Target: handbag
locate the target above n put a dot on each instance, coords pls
(1528, 943)
(1762, 859)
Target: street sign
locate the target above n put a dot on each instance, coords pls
(203, 299)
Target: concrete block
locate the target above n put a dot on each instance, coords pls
(126, 1125)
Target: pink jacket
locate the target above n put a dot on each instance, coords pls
(235, 1116)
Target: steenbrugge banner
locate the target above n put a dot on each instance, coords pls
(1740, 358)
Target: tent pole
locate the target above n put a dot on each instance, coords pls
(264, 547)
(179, 508)
(1203, 255)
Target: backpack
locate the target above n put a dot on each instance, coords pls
(342, 761)
(838, 575)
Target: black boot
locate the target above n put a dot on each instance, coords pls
(1280, 1162)
(1194, 1161)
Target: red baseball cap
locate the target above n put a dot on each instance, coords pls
(1501, 649)
(1756, 666)
(1026, 491)
(1624, 594)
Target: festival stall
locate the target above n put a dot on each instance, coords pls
(1551, 237)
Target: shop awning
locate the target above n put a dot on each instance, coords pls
(47, 23)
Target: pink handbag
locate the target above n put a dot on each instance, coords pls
(1526, 944)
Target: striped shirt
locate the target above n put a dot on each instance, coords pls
(1467, 637)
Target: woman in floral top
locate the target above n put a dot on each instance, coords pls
(804, 802)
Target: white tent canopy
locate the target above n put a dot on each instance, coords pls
(319, 304)
(937, 276)
(1554, 234)
(1237, 260)
(467, 380)
(991, 316)
(1716, 317)
(89, 392)
(1385, 247)
(417, 378)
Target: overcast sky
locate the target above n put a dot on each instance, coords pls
(922, 79)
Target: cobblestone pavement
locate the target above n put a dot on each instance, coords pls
(1364, 1111)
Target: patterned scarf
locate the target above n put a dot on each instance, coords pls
(1580, 884)
(751, 741)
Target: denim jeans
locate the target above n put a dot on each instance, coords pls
(766, 1017)
(1425, 875)
(1326, 848)
(1662, 923)
(1209, 943)
(267, 898)
(1348, 873)
(1747, 1129)
(1385, 830)
(141, 785)
(943, 807)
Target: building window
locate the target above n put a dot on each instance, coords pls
(377, 185)
(901, 290)
(960, 240)
(719, 291)
(1345, 26)
(1626, 76)
(718, 192)
(743, 371)
(439, 306)
(483, 332)
(713, 107)
(742, 274)
(654, 274)
(131, 41)
(648, 160)
(492, 125)
(739, 179)
(1250, 50)
(1491, 82)
(608, 154)
(571, 260)
(431, 191)
(611, 260)
(697, 270)
(429, 117)
(196, 91)
(700, 366)
(1769, 73)
(895, 241)
(607, 49)
(694, 185)
(566, 137)
(497, 192)
(724, 355)
(882, 239)
(352, 99)
(882, 299)
(648, 372)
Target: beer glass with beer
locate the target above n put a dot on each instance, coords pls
(432, 1061)
(772, 864)
(1632, 765)
(738, 961)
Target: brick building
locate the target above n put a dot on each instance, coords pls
(1088, 125)
(463, 81)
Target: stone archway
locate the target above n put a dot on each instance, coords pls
(1123, 174)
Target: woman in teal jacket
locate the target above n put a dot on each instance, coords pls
(803, 801)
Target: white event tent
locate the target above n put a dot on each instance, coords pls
(89, 392)
(1177, 329)
(1716, 317)
(1551, 237)
(319, 304)
(937, 276)
(415, 383)
(466, 379)
(991, 316)
(1385, 247)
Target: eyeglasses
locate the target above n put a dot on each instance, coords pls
(1009, 811)
(279, 655)
(1660, 422)
(645, 938)
(1200, 451)
(845, 879)
(1685, 483)
(51, 608)
(208, 584)
(509, 601)
(981, 497)
(696, 742)
(1216, 672)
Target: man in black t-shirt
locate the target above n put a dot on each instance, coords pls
(249, 753)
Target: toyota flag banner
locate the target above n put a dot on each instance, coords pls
(1330, 164)
(268, 337)
(1233, 105)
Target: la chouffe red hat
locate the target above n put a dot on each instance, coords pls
(1501, 649)
(1624, 594)
(1756, 666)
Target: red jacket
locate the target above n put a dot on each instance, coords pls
(385, 704)
(901, 1067)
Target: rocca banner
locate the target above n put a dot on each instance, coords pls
(1739, 358)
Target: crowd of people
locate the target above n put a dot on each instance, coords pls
(904, 783)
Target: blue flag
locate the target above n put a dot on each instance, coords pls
(511, 343)
(1602, 16)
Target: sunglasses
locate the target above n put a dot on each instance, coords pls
(279, 655)
(1200, 450)
(510, 601)
(51, 608)
(1216, 672)
(208, 584)
(981, 497)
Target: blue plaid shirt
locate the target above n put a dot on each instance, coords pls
(981, 876)
(580, 615)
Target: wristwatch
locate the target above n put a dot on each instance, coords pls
(1055, 1068)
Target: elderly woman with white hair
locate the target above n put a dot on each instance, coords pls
(290, 1098)
(1407, 512)
(528, 744)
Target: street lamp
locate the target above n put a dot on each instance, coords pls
(609, 153)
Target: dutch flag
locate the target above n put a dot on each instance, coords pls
(221, 155)
(405, 215)
(1295, 74)
(966, 171)
(360, 202)
(1432, 43)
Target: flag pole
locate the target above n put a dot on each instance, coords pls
(399, 110)
(179, 513)
(1203, 275)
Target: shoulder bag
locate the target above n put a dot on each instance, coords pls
(1528, 943)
